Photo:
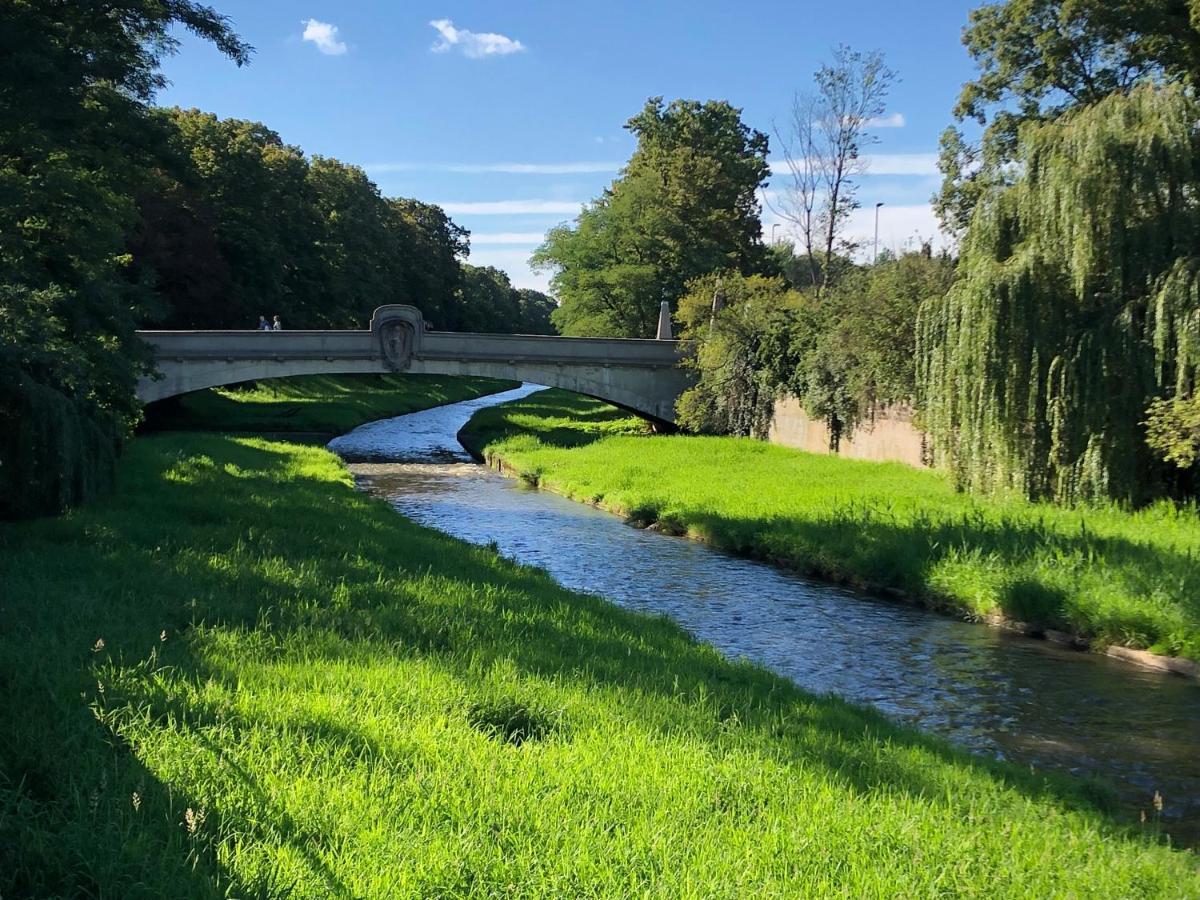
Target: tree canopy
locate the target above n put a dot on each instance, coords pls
(120, 215)
(1077, 306)
(685, 205)
(74, 149)
(1041, 58)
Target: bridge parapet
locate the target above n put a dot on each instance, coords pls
(642, 375)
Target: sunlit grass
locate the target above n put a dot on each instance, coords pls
(329, 404)
(1111, 575)
(236, 676)
(240, 677)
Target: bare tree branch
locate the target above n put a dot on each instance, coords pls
(823, 150)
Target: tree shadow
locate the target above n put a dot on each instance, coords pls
(554, 417)
(211, 535)
(859, 546)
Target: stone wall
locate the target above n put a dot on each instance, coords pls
(891, 436)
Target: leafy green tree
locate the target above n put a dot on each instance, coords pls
(432, 248)
(1077, 305)
(236, 224)
(734, 325)
(536, 312)
(487, 301)
(1173, 430)
(269, 222)
(1041, 58)
(75, 149)
(685, 205)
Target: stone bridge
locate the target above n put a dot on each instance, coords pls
(640, 375)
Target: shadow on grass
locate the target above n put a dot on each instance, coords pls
(207, 533)
(861, 546)
(555, 417)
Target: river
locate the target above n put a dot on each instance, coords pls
(987, 690)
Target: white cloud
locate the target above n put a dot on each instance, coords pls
(895, 120)
(883, 164)
(474, 45)
(324, 36)
(506, 237)
(513, 168)
(513, 208)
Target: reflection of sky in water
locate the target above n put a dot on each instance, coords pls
(987, 690)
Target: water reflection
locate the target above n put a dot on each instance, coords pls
(987, 690)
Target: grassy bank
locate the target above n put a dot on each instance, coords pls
(1112, 576)
(240, 677)
(328, 404)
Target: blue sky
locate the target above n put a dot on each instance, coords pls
(510, 114)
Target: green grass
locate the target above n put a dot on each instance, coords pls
(329, 404)
(239, 677)
(1130, 578)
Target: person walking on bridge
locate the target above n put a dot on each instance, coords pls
(277, 325)
(263, 324)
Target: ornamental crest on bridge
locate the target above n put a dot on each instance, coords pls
(397, 328)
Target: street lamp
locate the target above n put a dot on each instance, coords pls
(876, 255)
(773, 227)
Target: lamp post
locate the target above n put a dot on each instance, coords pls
(774, 226)
(876, 253)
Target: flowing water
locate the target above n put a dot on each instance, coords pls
(990, 691)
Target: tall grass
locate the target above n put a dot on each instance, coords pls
(328, 404)
(239, 677)
(1109, 575)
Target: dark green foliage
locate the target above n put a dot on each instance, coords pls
(487, 302)
(53, 454)
(1078, 305)
(1041, 58)
(117, 216)
(733, 325)
(685, 205)
(854, 351)
(238, 224)
(75, 148)
(843, 355)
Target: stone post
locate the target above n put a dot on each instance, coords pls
(664, 322)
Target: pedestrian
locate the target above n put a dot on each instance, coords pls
(277, 326)
(263, 324)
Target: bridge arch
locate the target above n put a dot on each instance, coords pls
(640, 375)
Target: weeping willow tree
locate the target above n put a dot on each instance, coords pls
(1077, 306)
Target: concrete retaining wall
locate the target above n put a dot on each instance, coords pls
(891, 437)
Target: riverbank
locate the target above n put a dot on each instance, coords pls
(240, 676)
(325, 405)
(1096, 576)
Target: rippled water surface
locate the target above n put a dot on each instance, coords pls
(995, 693)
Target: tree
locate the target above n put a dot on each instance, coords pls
(1041, 58)
(431, 251)
(861, 357)
(1173, 430)
(536, 312)
(237, 224)
(823, 150)
(1078, 305)
(75, 149)
(733, 324)
(685, 205)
